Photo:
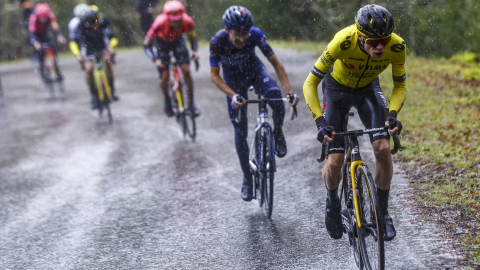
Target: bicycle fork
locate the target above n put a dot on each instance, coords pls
(356, 161)
(101, 78)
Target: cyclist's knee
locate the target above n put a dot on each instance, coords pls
(381, 148)
(164, 75)
(185, 69)
(88, 67)
(334, 164)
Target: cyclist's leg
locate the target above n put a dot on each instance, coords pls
(57, 67)
(89, 66)
(337, 102)
(241, 132)
(266, 85)
(163, 54)
(373, 112)
(39, 54)
(180, 52)
(107, 61)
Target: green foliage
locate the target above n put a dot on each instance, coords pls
(430, 27)
(465, 57)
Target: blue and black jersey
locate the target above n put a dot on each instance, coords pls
(234, 60)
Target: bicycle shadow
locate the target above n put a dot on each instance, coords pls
(271, 245)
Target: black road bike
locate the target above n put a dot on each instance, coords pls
(178, 89)
(361, 214)
(262, 153)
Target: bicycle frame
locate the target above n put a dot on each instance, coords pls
(100, 77)
(176, 88)
(262, 122)
(49, 60)
(352, 156)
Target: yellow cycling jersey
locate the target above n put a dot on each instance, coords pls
(354, 68)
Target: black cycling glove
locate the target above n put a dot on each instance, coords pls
(392, 119)
(323, 129)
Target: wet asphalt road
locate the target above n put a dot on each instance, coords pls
(78, 193)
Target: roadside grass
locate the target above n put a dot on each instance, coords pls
(441, 138)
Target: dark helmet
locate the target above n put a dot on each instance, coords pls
(238, 18)
(374, 21)
(92, 16)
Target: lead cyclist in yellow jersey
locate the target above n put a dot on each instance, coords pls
(349, 69)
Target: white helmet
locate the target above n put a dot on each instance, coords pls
(80, 10)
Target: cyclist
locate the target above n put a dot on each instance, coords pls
(144, 12)
(39, 22)
(167, 30)
(234, 48)
(79, 11)
(358, 54)
(94, 35)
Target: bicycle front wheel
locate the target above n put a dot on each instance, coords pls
(348, 215)
(267, 172)
(371, 232)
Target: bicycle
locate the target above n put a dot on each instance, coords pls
(50, 71)
(262, 159)
(361, 216)
(185, 117)
(104, 92)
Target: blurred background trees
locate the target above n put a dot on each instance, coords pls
(430, 27)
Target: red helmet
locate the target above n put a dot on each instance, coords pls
(176, 7)
(42, 10)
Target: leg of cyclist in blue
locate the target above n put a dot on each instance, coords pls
(266, 85)
(241, 144)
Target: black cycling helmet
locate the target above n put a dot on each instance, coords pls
(92, 16)
(238, 18)
(374, 21)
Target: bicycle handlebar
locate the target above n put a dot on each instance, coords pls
(293, 112)
(396, 140)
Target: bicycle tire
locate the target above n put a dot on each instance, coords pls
(348, 216)
(47, 74)
(109, 112)
(267, 172)
(371, 232)
(190, 119)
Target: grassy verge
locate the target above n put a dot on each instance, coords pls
(441, 137)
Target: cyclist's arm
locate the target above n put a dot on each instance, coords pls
(281, 73)
(218, 81)
(399, 92)
(192, 36)
(319, 70)
(54, 24)
(189, 25)
(74, 48)
(147, 46)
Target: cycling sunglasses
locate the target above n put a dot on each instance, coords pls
(373, 42)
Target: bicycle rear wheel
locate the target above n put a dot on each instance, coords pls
(371, 231)
(267, 172)
(348, 216)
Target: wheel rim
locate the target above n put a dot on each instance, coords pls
(370, 235)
